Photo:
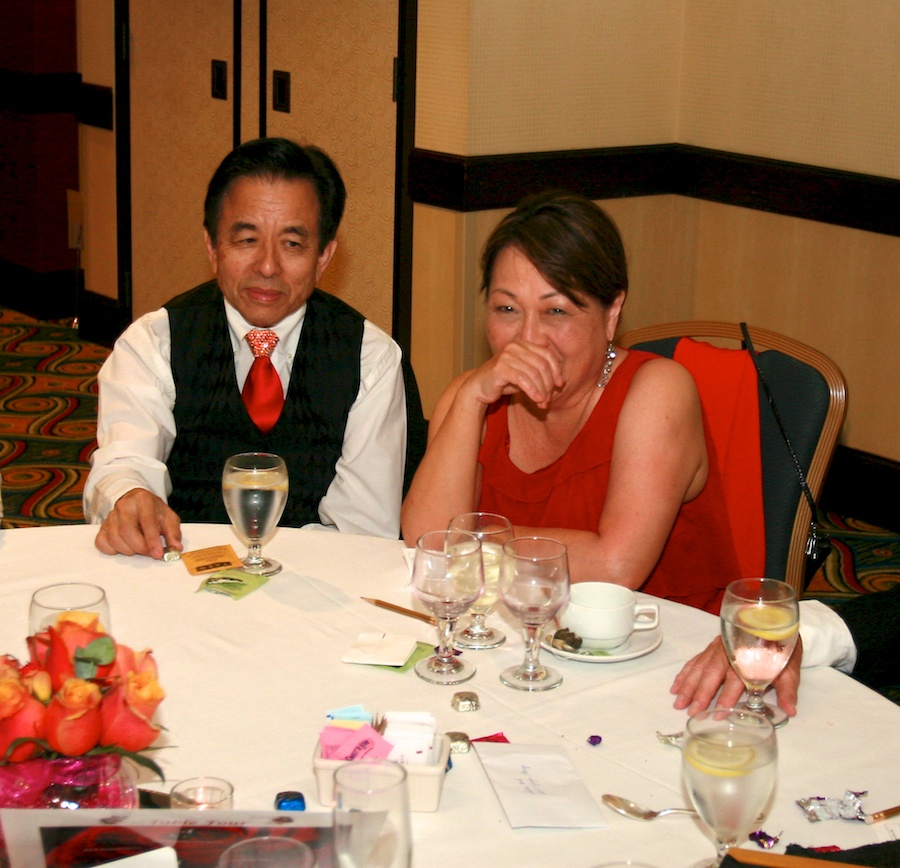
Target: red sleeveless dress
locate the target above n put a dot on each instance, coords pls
(699, 558)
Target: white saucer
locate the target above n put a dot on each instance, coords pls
(639, 643)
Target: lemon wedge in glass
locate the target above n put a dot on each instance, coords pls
(771, 623)
(721, 760)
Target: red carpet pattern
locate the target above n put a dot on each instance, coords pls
(48, 419)
(863, 559)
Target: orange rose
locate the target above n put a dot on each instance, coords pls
(128, 662)
(72, 725)
(126, 711)
(21, 716)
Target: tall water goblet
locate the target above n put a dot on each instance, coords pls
(254, 488)
(448, 577)
(534, 585)
(729, 760)
(760, 620)
(493, 530)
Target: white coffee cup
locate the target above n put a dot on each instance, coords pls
(604, 615)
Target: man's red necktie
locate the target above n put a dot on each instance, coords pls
(262, 393)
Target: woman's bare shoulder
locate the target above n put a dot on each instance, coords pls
(662, 375)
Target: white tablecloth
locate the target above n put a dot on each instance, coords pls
(248, 684)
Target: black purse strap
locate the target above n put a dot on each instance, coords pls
(815, 535)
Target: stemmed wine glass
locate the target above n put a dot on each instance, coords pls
(760, 620)
(448, 576)
(493, 530)
(254, 488)
(729, 760)
(534, 585)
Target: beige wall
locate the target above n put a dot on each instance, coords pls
(340, 57)
(814, 81)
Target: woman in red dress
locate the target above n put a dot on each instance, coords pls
(569, 436)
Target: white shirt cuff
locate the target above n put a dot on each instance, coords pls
(827, 640)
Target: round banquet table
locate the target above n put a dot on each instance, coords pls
(248, 684)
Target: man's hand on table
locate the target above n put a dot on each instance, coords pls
(696, 685)
(136, 525)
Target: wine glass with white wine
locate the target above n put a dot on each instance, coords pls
(760, 620)
(493, 530)
(729, 759)
(254, 488)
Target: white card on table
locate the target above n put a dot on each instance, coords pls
(537, 785)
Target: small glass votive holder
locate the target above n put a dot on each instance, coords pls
(268, 851)
(202, 794)
(71, 600)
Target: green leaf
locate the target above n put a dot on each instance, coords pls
(139, 758)
(26, 740)
(100, 652)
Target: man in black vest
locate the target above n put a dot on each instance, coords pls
(175, 394)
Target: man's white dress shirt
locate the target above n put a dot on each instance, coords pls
(827, 640)
(136, 425)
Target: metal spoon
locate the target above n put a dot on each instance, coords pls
(638, 812)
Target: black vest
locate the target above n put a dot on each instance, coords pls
(212, 422)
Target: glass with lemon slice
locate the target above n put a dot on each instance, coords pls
(729, 760)
(760, 623)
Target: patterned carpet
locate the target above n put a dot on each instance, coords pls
(48, 419)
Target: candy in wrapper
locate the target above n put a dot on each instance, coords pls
(290, 800)
(673, 738)
(848, 807)
(767, 842)
(594, 740)
(459, 742)
(465, 700)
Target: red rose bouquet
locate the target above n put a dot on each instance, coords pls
(80, 694)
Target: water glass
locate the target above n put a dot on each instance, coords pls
(79, 601)
(448, 576)
(729, 763)
(760, 620)
(268, 851)
(255, 490)
(202, 794)
(371, 818)
(534, 586)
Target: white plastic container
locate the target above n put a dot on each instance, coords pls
(425, 782)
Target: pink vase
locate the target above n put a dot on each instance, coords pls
(70, 782)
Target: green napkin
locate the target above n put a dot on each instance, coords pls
(233, 583)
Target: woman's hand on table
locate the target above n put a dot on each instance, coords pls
(700, 678)
(136, 525)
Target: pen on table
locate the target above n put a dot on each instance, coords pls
(383, 604)
(882, 815)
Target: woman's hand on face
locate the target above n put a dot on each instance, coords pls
(534, 370)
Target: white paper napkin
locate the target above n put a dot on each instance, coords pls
(382, 649)
(537, 785)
